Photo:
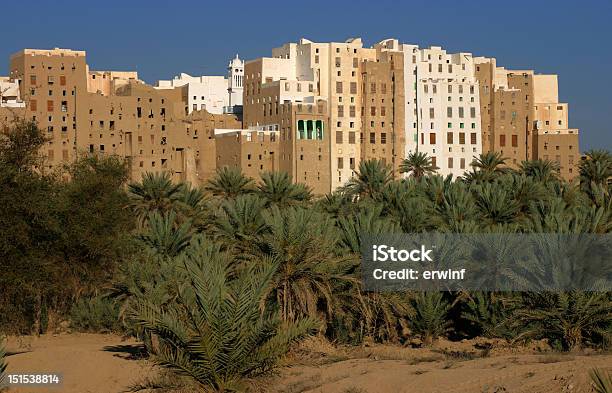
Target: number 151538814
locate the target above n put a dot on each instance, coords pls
(34, 379)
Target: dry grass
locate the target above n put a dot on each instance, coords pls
(387, 352)
(424, 359)
(315, 351)
(494, 389)
(460, 356)
(164, 382)
(304, 385)
(557, 358)
(354, 390)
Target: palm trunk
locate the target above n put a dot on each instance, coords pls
(285, 301)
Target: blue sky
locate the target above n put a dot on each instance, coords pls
(162, 38)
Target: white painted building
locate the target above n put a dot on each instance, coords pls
(203, 92)
(216, 94)
(442, 116)
(10, 96)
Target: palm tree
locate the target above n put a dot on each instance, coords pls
(229, 182)
(373, 315)
(223, 335)
(336, 204)
(487, 166)
(165, 236)
(367, 222)
(557, 216)
(571, 194)
(418, 165)
(457, 208)
(192, 204)
(240, 221)
(380, 314)
(525, 190)
(490, 313)
(496, 205)
(155, 193)
(567, 318)
(304, 243)
(406, 201)
(434, 187)
(596, 167)
(191, 197)
(278, 190)
(540, 170)
(157, 279)
(370, 180)
(315, 247)
(430, 316)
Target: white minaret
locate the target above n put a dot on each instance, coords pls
(235, 76)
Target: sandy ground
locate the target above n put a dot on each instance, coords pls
(470, 366)
(428, 372)
(107, 364)
(89, 363)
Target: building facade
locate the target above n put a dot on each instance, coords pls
(383, 135)
(441, 101)
(323, 85)
(105, 112)
(294, 117)
(333, 70)
(313, 110)
(215, 94)
(201, 92)
(523, 119)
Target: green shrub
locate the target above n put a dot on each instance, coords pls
(490, 315)
(219, 333)
(96, 314)
(567, 319)
(62, 233)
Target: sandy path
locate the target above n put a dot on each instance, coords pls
(89, 363)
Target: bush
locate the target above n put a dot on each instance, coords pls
(96, 314)
(490, 315)
(567, 319)
(60, 236)
(218, 332)
(430, 318)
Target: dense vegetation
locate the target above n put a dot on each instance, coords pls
(62, 235)
(219, 281)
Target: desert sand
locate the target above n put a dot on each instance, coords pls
(89, 363)
(100, 363)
